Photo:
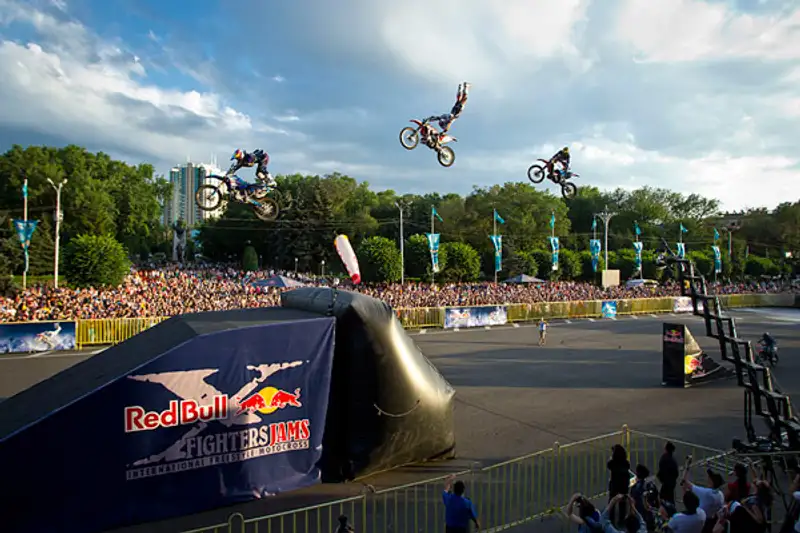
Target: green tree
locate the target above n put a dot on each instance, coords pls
(249, 259)
(95, 261)
(570, 264)
(379, 260)
(417, 257)
(545, 261)
(463, 262)
(521, 262)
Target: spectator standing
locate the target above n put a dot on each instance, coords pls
(712, 500)
(668, 473)
(459, 510)
(644, 494)
(620, 468)
(739, 489)
(587, 516)
(628, 519)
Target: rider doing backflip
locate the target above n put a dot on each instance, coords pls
(259, 159)
(446, 120)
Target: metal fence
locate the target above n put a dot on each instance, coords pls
(106, 331)
(531, 488)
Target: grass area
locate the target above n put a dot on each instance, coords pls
(37, 280)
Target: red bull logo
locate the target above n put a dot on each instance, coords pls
(673, 335)
(269, 400)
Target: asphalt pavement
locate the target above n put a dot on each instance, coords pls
(515, 397)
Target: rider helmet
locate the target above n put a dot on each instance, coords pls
(565, 150)
(237, 155)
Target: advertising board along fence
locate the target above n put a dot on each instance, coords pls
(534, 488)
(33, 337)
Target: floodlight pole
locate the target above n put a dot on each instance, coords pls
(606, 217)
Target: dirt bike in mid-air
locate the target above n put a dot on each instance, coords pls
(538, 172)
(410, 137)
(209, 197)
(768, 354)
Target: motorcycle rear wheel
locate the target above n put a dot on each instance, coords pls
(409, 138)
(208, 197)
(536, 173)
(446, 156)
(268, 210)
(569, 190)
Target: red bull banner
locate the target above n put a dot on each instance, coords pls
(222, 418)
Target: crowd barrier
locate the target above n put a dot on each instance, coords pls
(535, 487)
(107, 331)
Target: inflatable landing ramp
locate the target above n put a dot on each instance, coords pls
(389, 406)
(200, 411)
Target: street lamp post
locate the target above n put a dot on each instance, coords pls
(606, 217)
(401, 206)
(295, 265)
(323, 268)
(59, 216)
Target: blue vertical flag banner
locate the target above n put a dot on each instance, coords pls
(24, 189)
(594, 247)
(553, 220)
(498, 218)
(594, 224)
(683, 229)
(636, 228)
(681, 250)
(637, 247)
(717, 260)
(25, 229)
(497, 240)
(435, 213)
(433, 246)
(554, 246)
(716, 235)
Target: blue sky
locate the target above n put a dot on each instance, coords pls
(698, 96)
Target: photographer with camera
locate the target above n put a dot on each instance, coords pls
(645, 496)
(621, 516)
(582, 512)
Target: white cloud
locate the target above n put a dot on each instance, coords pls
(287, 118)
(278, 78)
(73, 85)
(61, 5)
(692, 30)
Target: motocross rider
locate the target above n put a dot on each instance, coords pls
(562, 156)
(259, 159)
(446, 120)
(768, 342)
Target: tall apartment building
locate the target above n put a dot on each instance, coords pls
(186, 180)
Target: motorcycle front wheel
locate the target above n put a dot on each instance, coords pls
(446, 156)
(409, 138)
(536, 173)
(208, 197)
(569, 190)
(268, 210)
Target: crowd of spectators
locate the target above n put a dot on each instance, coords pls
(167, 291)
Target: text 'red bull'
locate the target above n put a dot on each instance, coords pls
(178, 413)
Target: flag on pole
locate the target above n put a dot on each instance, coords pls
(553, 220)
(594, 224)
(716, 235)
(636, 228)
(435, 213)
(498, 218)
(24, 190)
(683, 229)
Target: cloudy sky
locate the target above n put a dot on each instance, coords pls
(698, 96)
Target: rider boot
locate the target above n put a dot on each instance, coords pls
(266, 178)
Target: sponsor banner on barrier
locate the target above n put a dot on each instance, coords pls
(472, 317)
(683, 304)
(32, 337)
(609, 310)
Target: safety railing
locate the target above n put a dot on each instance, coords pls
(105, 331)
(535, 487)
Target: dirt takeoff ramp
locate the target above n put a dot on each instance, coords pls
(389, 405)
(200, 411)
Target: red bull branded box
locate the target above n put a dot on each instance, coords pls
(198, 412)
